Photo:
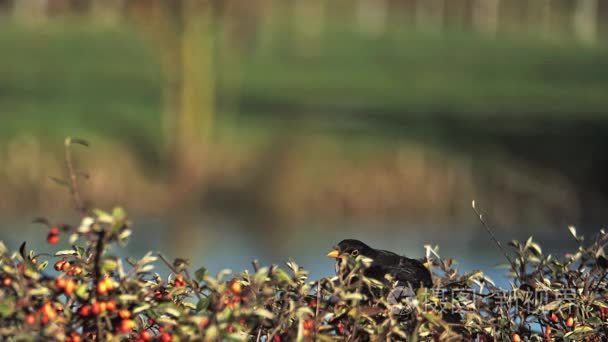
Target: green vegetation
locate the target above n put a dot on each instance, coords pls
(96, 295)
(70, 78)
(101, 296)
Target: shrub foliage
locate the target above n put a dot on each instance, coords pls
(94, 295)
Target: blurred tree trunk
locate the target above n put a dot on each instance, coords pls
(485, 16)
(372, 17)
(430, 15)
(459, 14)
(108, 11)
(194, 120)
(6, 6)
(31, 11)
(585, 20)
(182, 30)
(309, 24)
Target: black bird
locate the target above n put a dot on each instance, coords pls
(404, 270)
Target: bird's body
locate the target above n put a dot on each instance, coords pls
(402, 269)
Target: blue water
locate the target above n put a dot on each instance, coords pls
(221, 244)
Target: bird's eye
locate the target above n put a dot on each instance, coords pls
(355, 252)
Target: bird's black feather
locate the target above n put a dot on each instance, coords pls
(402, 269)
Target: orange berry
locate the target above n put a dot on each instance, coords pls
(236, 287)
(204, 322)
(48, 311)
(60, 283)
(548, 332)
(165, 337)
(515, 338)
(570, 322)
(69, 288)
(52, 239)
(76, 270)
(109, 283)
(127, 325)
(30, 319)
(102, 288)
(7, 281)
(110, 305)
(124, 314)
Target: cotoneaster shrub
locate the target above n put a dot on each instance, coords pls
(94, 295)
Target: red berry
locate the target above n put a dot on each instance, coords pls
(553, 317)
(96, 308)
(30, 319)
(85, 310)
(309, 324)
(146, 335)
(548, 332)
(341, 328)
(54, 231)
(52, 239)
(179, 281)
(59, 265)
(165, 337)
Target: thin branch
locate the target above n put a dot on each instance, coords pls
(73, 176)
(493, 237)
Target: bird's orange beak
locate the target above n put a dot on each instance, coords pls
(334, 254)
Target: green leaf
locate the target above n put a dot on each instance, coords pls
(60, 181)
(43, 265)
(200, 274)
(82, 291)
(70, 141)
(202, 304)
(6, 309)
(119, 214)
(108, 265)
(264, 313)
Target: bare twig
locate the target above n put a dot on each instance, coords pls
(493, 237)
(73, 176)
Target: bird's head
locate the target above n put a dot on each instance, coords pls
(353, 248)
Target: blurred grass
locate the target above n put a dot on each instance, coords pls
(70, 78)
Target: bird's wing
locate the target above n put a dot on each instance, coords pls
(413, 271)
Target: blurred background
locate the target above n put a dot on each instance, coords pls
(270, 129)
